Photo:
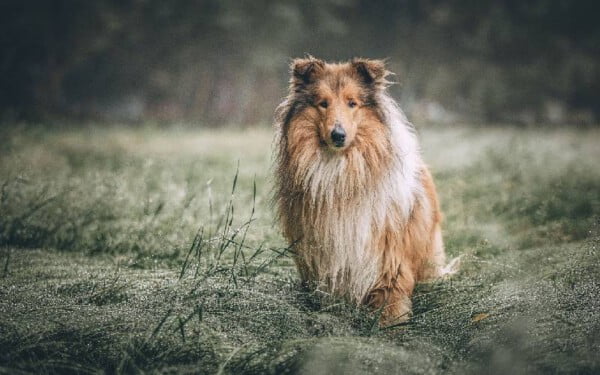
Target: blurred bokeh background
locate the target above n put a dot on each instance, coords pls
(225, 62)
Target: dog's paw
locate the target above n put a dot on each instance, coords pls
(396, 311)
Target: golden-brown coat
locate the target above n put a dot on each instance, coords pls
(362, 211)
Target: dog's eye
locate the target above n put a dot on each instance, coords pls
(323, 104)
(351, 103)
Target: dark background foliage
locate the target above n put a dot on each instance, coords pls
(216, 62)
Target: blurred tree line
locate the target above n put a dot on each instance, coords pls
(217, 62)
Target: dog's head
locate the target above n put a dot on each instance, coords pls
(337, 99)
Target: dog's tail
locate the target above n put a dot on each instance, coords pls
(451, 268)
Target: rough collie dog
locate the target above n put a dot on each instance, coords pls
(352, 192)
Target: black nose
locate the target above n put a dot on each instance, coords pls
(338, 136)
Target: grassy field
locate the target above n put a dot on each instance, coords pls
(145, 250)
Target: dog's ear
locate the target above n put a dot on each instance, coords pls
(306, 70)
(371, 72)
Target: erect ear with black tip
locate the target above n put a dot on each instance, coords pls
(305, 71)
(371, 72)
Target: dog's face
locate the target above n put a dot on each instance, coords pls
(338, 99)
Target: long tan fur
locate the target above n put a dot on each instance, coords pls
(364, 217)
